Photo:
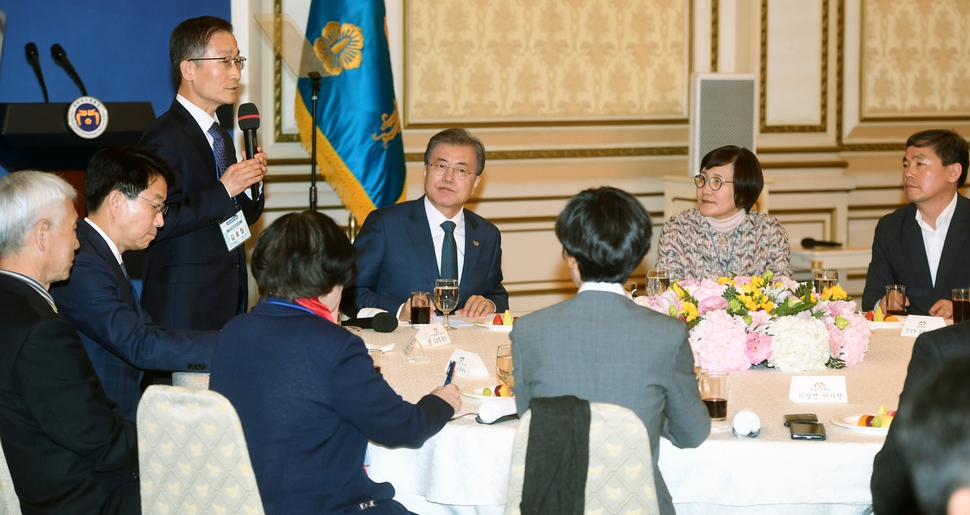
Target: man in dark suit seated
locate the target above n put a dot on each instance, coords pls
(68, 448)
(600, 345)
(125, 190)
(925, 245)
(935, 438)
(892, 487)
(193, 279)
(405, 247)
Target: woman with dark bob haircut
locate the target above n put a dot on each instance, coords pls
(306, 391)
(723, 237)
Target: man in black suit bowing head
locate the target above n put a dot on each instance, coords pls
(925, 245)
(195, 278)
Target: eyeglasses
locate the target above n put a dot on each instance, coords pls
(715, 182)
(227, 61)
(461, 173)
(159, 209)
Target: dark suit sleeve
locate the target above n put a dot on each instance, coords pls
(198, 205)
(91, 301)
(496, 292)
(892, 489)
(371, 245)
(880, 268)
(686, 420)
(375, 409)
(55, 378)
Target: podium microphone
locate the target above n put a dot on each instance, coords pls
(383, 322)
(248, 123)
(810, 243)
(60, 57)
(34, 61)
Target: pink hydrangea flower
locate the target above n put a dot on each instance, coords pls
(711, 304)
(720, 340)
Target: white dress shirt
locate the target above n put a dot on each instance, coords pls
(933, 239)
(609, 287)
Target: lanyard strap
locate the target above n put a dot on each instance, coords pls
(724, 270)
(288, 305)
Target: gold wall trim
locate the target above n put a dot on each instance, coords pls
(418, 157)
(839, 71)
(714, 36)
(873, 147)
(823, 101)
(805, 164)
(291, 177)
(563, 123)
(798, 150)
(278, 135)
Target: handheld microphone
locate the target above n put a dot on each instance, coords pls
(60, 57)
(809, 243)
(249, 122)
(34, 61)
(382, 322)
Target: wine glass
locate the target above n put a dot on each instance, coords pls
(446, 297)
(503, 365)
(657, 281)
(825, 279)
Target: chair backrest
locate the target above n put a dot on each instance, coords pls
(9, 502)
(192, 454)
(620, 475)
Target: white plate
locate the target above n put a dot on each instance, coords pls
(477, 394)
(851, 422)
(887, 325)
(500, 328)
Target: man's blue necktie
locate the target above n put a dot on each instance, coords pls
(218, 149)
(449, 252)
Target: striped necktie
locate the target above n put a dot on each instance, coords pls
(218, 149)
(449, 252)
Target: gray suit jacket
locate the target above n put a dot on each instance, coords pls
(602, 347)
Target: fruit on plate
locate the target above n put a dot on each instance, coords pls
(883, 418)
(498, 319)
(500, 390)
(869, 315)
(487, 392)
(877, 315)
(890, 318)
(507, 319)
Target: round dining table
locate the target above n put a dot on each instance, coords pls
(465, 467)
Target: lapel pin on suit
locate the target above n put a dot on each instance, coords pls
(475, 242)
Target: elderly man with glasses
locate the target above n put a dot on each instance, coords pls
(195, 274)
(406, 247)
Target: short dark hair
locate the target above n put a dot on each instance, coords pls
(935, 437)
(607, 231)
(190, 40)
(129, 170)
(303, 255)
(459, 138)
(950, 146)
(748, 179)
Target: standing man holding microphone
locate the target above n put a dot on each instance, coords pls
(195, 271)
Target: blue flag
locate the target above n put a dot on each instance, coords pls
(359, 127)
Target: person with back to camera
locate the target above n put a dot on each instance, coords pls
(722, 236)
(306, 391)
(602, 347)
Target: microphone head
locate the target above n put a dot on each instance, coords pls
(31, 49)
(384, 322)
(57, 52)
(249, 117)
(808, 243)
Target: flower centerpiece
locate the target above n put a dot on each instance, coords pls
(743, 321)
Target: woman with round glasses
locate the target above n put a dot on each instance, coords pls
(723, 237)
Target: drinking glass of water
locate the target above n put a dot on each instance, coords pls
(446, 297)
(657, 281)
(824, 279)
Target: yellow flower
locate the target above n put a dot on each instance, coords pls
(340, 47)
(690, 310)
(767, 305)
(757, 281)
(678, 290)
(834, 293)
(747, 288)
(748, 302)
(725, 280)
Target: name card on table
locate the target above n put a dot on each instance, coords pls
(820, 389)
(413, 351)
(433, 335)
(468, 364)
(918, 324)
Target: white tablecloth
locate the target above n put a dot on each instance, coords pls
(464, 468)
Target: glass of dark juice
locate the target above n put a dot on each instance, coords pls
(714, 393)
(420, 307)
(961, 305)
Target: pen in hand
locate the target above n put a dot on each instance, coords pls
(451, 372)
